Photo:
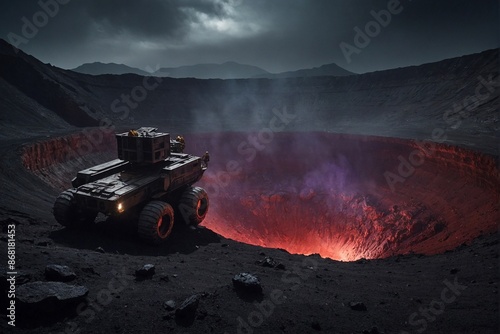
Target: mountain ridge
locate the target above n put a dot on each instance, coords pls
(98, 68)
(392, 100)
(226, 70)
(331, 69)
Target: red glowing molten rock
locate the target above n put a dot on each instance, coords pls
(347, 197)
(342, 196)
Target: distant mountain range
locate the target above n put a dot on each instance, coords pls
(326, 70)
(227, 70)
(34, 95)
(98, 68)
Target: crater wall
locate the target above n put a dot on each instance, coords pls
(342, 196)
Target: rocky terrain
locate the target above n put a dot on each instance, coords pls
(358, 204)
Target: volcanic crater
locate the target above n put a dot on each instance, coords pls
(347, 179)
(344, 197)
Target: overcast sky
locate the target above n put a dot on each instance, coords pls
(277, 35)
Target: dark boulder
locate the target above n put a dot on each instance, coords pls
(186, 312)
(55, 272)
(46, 302)
(245, 282)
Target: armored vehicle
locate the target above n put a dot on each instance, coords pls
(152, 177)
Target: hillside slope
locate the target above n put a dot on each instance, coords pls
(408, 102)
(306, 191)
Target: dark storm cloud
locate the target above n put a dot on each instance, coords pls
(147, 18)
(150, 18)
(103, 30)
(277, 35)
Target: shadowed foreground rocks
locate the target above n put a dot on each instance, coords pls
(46, 302)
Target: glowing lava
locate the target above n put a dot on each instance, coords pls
(328, 194)
(324, 193)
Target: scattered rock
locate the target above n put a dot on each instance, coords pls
(224, 245)
(46, 301)
(147, 271)
(55, 272)
(357, 306)
(38, 292)
(185, 314)
(246, 282)
(100, 250)
(169, 305)
(270, 263)
(454, 271)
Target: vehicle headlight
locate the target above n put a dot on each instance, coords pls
(120, 208)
